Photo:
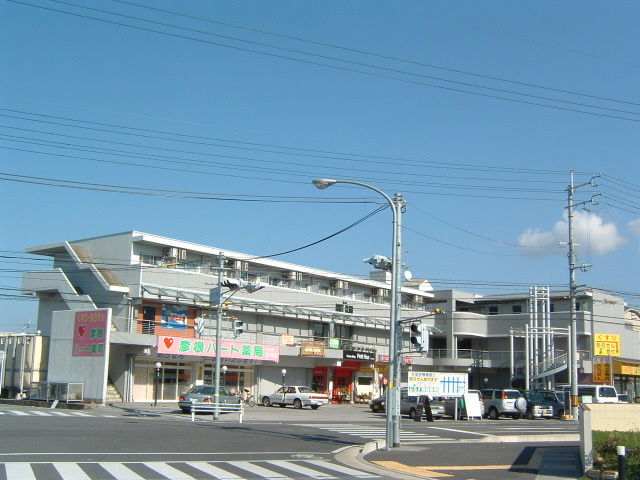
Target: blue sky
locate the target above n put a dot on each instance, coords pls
(207, 122)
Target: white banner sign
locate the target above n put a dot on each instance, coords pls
(437, 384)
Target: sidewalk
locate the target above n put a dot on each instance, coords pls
(556, 458)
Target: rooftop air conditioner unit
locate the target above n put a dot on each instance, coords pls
(339, 284)
(183, 254)
(240, 265)
(171, 252)
(294, 276)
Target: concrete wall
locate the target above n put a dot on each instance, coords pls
(605, 417)
(91, 371)
(622, 417)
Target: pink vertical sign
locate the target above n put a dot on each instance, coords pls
(90, 333)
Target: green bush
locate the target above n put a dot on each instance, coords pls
(605, 455)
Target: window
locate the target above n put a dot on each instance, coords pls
(343, 331)
(493, 310)
(320, 331)
(516, 308)
(148, 320)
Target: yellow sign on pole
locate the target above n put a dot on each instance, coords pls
(601, 370)
(607, 344)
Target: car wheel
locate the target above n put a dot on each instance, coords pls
(266, 401)
(560, 413)
(282, 405)
(186, 410)
(530, 415)
(315, 407)
(493, 413)
(412, 413)
(297, 403)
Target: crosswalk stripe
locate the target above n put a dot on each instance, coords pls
(215, 471)
(70, 471)
(38, 412)
(261, 471)
(18, 412)
(60, 414)
(309, 468)
(19, 471)
(341, 468)
(377, 432)
(300, 469)
(168, 471)
(120, 471)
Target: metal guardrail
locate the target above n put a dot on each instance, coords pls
(212, 407)
(64, 392)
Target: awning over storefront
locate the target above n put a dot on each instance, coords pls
(201, 299)
(623, 366)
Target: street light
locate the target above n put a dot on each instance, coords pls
(380, 384)
(158, 367)
(392, 409)
(283, 372)
(224, 375)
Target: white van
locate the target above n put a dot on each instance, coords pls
(596, 393)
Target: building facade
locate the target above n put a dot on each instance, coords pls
(305, 326)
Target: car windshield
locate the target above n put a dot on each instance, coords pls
(608, 392)
(534, 397)
(201, 390)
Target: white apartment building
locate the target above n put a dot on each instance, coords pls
(133, 310)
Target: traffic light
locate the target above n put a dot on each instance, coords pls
(233, 283)
(238, 327)
(419, 337)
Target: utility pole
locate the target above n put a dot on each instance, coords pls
(216, 380)
(399, 206)
(573, 349)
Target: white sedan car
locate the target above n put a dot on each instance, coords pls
(298, 396)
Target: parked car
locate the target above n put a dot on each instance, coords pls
(623, 397)
(537, 406)
(503, 402)
(297, 395)
(596, 393)
(450, 405)
(205, 393)
(556, 400)
(408, 405)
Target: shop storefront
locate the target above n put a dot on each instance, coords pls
(626, 377)
(173, 378)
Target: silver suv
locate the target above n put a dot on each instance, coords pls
(503, 403)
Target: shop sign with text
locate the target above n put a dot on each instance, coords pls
(601, 370)
(607, 344)
(355, 355)
(312, 349)
(200, 347)
(89, 333)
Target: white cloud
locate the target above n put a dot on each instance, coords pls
(589, 231)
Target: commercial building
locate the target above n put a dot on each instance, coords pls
(129, 311)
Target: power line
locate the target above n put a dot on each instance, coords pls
(352, 70)
(377, 55)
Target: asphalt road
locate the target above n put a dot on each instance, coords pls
(143, 442)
